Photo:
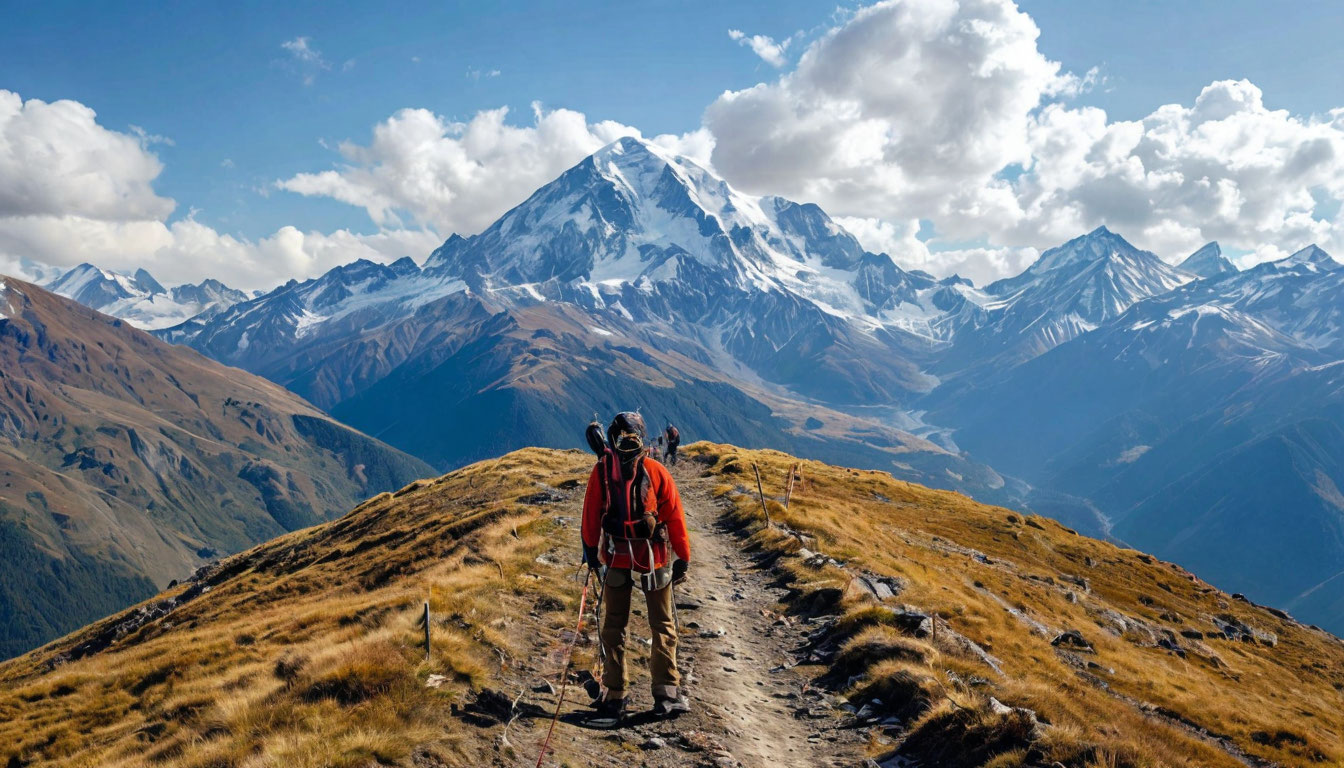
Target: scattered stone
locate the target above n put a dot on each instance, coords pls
(880, 587)
(1233, 628)
(435, 681)
(1078, 581)
(720, 632)
(653, 742)
(543, 687)
(912, 622)
(1169, 643)
(1072, 638)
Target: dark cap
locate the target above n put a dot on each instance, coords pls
(627, 433)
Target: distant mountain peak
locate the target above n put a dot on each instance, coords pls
(139, 298)
(1208, 261)
(1101, 244)
(147, 283)
(1312, 256)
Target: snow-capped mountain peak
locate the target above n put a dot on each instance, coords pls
(1208, 261)
(1312, 257)
(633, 214)
(140, 299)
(1101, 244)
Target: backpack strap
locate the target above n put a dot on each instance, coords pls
(628, 513)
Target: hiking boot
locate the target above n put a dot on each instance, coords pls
(609, 713)
(670, 706)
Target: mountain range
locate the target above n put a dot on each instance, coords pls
(127, 462)
(141, 300)
(1191, 409)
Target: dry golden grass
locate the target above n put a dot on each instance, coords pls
(971, 563)
(308, 653)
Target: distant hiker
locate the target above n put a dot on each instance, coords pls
(632, 517)
(673, 440)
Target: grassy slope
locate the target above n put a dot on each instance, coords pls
(972, 563)
(302, 652)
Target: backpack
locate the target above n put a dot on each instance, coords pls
(632, 517)
(630, 524)
(673, 436)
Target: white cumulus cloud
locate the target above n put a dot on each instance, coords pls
(947, 111)
(764, 46)
(55, 159)
(1226, 168)
(72, 190)
(892, 112)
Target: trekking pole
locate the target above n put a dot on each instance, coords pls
(564, 674)
(597, 615)
(676, 622)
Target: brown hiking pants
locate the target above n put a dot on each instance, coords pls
(662, 627)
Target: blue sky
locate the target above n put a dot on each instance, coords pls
(240, 110)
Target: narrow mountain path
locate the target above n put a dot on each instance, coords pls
(751, 704)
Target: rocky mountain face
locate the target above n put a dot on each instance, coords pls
(141, 300)
(1095, 383)
(1208, 261)
(126, 462)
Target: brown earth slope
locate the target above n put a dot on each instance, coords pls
(874, 619)
(125, 462)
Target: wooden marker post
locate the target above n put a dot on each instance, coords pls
(760, 491)
(426, 619)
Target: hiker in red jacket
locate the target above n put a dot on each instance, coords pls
(634, 532)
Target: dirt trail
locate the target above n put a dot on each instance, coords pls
(751, 706)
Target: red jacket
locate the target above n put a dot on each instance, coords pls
(661, 498)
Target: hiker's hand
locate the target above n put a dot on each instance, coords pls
(679, 571)
(590, 558)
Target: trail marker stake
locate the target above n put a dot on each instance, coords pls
(426, 620)
(760, 491)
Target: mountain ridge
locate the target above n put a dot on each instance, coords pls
(964, 635)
